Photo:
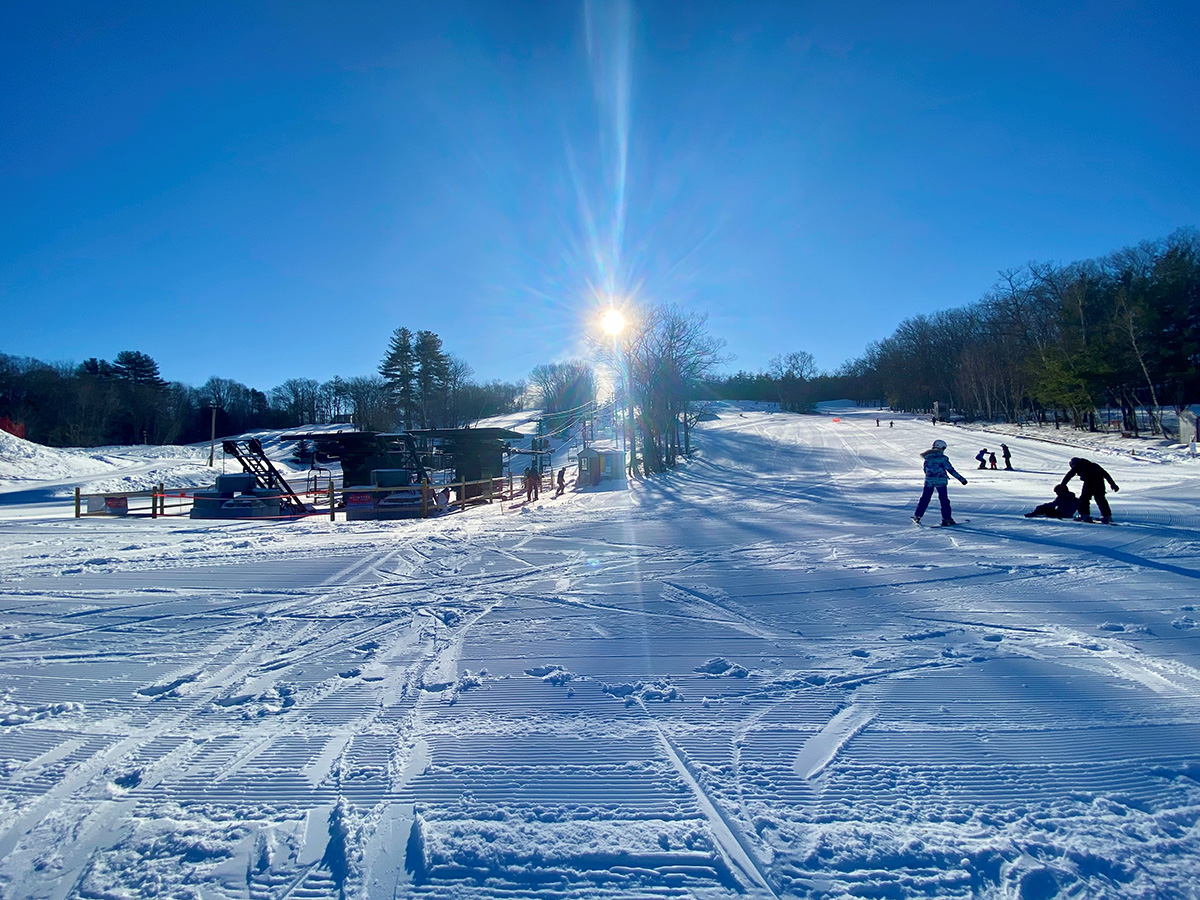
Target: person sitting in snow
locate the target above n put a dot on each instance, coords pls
(1093, 477)
(1064, 505)
(936, 468)
(981, 456)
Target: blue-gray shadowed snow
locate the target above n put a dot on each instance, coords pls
(751, 677)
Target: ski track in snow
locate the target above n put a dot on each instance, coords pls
(748, 677)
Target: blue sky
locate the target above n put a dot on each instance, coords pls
(264, 191)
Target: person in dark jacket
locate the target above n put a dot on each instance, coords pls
(1007, 456)
(1064, 505)
(992, 460)
(982, 457)
(562, 482)
(936, 468)
(1093, 477)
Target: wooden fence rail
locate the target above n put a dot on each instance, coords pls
(432, 498)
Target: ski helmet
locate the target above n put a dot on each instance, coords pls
(939, 445)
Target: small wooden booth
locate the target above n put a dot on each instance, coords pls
(596, 466)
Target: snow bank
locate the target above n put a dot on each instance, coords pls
(24, 461)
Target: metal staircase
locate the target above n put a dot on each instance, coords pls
(266, 477)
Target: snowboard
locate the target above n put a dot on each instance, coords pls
(957, 522)
(1072, 521)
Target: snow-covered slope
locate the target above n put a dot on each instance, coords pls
(25, 461)
(749, 677)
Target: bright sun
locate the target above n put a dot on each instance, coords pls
(612, 321)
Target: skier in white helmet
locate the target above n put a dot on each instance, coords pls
(936, 468)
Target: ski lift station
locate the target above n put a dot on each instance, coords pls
(259, 491)
(384, 476)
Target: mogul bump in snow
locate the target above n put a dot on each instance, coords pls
(1093, 477)
(936, 468)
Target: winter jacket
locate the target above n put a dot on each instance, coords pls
(936, 467)
(1092, 475)
(1064, 506)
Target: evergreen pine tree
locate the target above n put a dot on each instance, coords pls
(432, 372)
(399, 369)
(95, 368)
(137, 368)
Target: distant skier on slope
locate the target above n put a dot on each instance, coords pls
(936, 468)
(1004, 451)
(1064, 505)
(981, 457)
(1093, 477)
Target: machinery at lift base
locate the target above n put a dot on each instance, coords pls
(392, 494)
(237, 497)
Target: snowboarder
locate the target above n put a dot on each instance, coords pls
(891, 424)
(562, 482)
(1064, 505)
(936, 468)
(992, 460)
(981, 456)
(1007, 457)
(1093, 477)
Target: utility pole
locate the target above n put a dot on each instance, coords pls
(537, 445)
(212, 443)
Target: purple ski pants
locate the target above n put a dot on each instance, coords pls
(926, 494)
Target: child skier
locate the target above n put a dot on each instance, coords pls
(992, 460)
(1064, 505)
(936, 468)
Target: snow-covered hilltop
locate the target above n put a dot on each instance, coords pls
(749, 677)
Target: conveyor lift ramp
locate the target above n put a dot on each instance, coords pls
(255, 461)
